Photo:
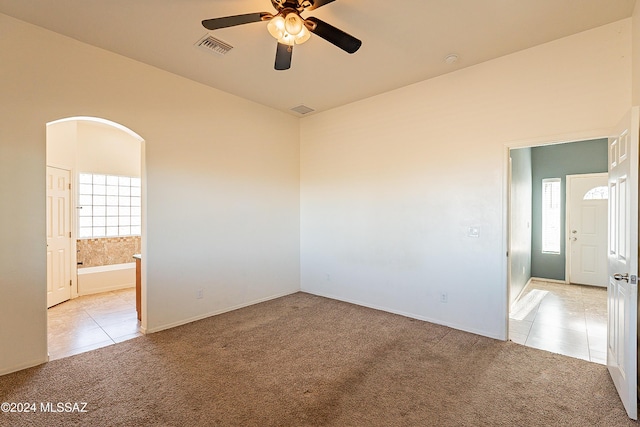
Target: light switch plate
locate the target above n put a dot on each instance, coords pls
(473, 232)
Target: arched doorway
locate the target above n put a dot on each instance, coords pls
(94, 227)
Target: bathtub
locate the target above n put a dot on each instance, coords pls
(93, 280)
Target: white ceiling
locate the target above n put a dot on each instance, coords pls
(403, 42)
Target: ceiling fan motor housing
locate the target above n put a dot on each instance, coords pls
(299, 5)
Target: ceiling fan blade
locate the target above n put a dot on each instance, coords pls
(333, 35)
(314, 4)
(283, 56)
(232, 21)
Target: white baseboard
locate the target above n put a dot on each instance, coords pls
(409, 315)
(214, 313)
(24, 365)
(540, 279)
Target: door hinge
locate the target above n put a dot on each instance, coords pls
(69, 234)
(70, 283)
(69, 186)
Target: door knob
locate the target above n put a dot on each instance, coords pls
(619, 276)
(573, 239)
(574, 231)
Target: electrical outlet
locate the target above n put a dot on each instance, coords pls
(200, 293)
(444, 297)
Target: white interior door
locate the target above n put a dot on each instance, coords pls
(587, 197)
(622, 288)
(58, 236)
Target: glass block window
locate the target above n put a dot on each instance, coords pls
(551, 221)
(108, 206)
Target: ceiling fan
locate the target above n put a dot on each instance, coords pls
(289, 28)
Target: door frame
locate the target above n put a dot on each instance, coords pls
(567, 260)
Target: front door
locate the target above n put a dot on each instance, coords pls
(622, 287)
(58, 236)
(587, 197)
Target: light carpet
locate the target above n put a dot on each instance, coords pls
(303, 360)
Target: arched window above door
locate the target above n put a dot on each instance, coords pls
(597, 193)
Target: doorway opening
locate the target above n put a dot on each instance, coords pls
(94, 230)
(549, 308)
(622, 252)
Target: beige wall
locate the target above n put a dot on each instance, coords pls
(391, 185)
(106, 149)
(62, 145)
(221, 176)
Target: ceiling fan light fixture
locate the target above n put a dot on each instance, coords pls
(293, 24)
(276, 27)
(303, 36)
(289, 29)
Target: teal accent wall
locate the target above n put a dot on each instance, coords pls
(558, 161)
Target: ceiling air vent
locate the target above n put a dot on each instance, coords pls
(212, 44)
(302, 109)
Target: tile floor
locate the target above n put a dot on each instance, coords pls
(93, 321)
(564, 319)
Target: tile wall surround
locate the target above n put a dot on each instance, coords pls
(107, 251)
